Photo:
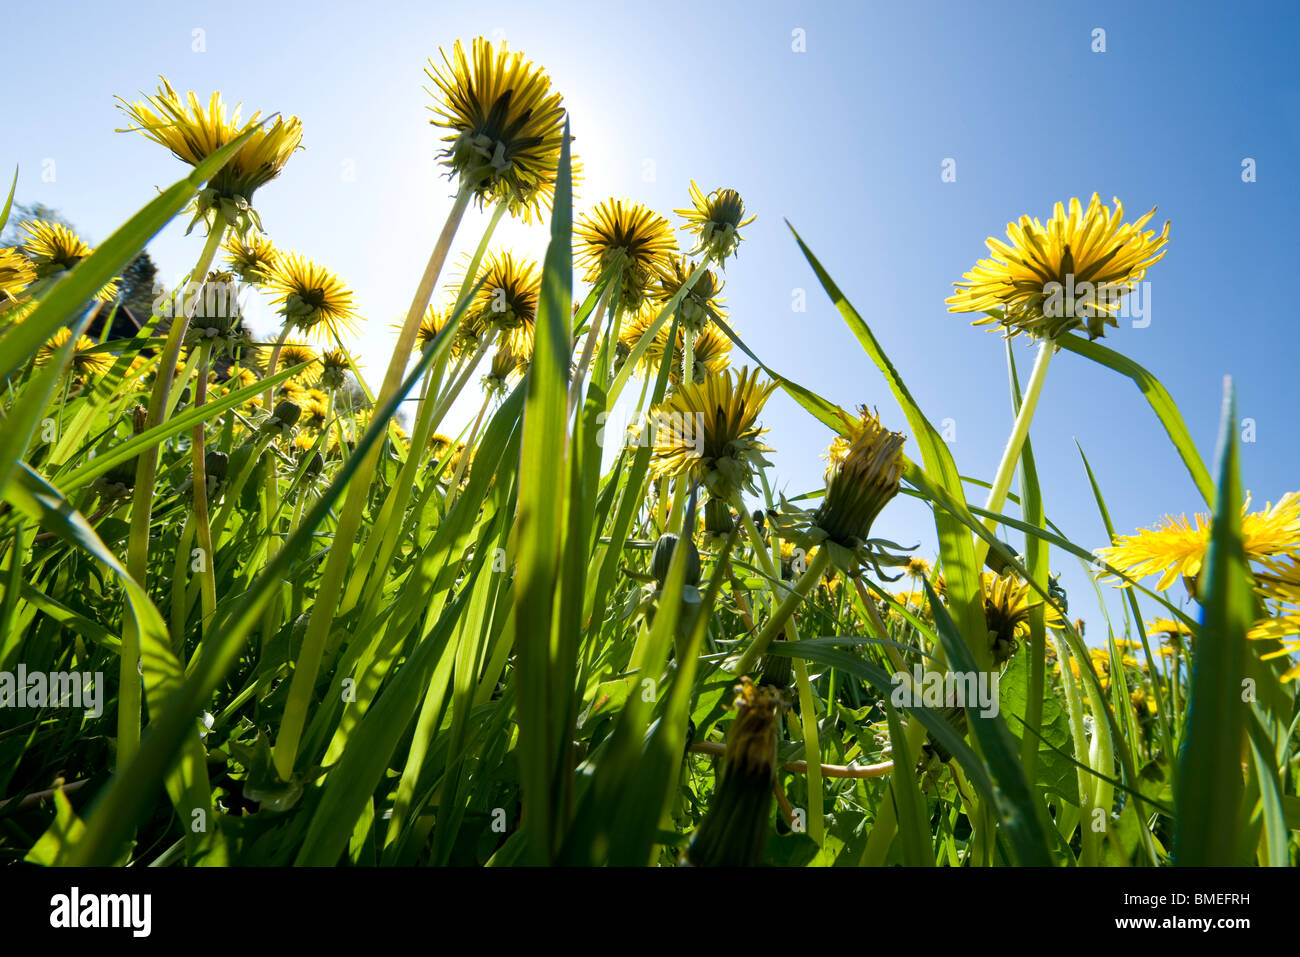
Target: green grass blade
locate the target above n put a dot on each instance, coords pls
(1209, 788)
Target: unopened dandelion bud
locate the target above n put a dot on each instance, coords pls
(663, 556)
(734, 833)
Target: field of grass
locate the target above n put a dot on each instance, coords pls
(300, 633)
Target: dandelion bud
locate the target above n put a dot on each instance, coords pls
(663, 556)
(734, 833)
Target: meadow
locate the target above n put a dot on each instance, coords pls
(305, 631)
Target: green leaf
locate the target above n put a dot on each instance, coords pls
(1161, 401)
(544, 697)
(1209, 789)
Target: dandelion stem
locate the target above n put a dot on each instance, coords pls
(321, 617)
(589, 347)
(1011, 456)
(781, 616)
(146, 474)
(207, 573)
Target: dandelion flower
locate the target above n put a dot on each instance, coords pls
(716, 220)
(621, 226)
(505, 126)
(16, 274)
(1006, 614)
(1279, 587)
(295, 354)
(506, 301)
(506, 368)
(312, 299)
(1177, 546)
(709, 431)
(1048, 280)
(53, 247)
(703, 299)
(863, 475)
(86, 363)
(335, 366)
(251, 256)
(193, 133)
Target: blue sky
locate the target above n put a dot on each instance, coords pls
(846, 139)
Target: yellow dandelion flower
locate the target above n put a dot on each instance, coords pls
(1006, 613)
(1279, 587)
(709, 431)
(294, 354)
(1070, 273)
(918, 567)
(506, 301)
(643, 236)
(242, 378)
(507, 367)
(315, 406)
(716, 220)
(86, 364)
(251, 256)
(312, 298)
(334, 368)
(863, 475)
(703, 299)
(434, 321)
(194, 132)
(16, 274)
(505, 126)
(1177, 546)
(53, 247)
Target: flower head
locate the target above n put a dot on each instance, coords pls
(86, 363)
(53, 247)
(716, 220)
(294, 354)
(335, 366)
(704, 298)
(864, 473)
(1177, 546)
(312, 299)
(194, 132)
(1279, 588)
(250, 256)
(643, 237)
(505, 125)
(709, 431)
(1072, 272)
(507, 367)
(16, 274)
(506, 301)
(1006, 613)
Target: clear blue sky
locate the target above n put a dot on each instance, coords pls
(845, 139)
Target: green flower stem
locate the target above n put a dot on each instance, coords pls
(639, 349)
(321, 619)
(688, 354)
(268, 397)
(1074, 707)
(781, 615)
(146, 474)
(208, 574)
(783, 618)
(463, 463)
(1011, 455)
(589, 347)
